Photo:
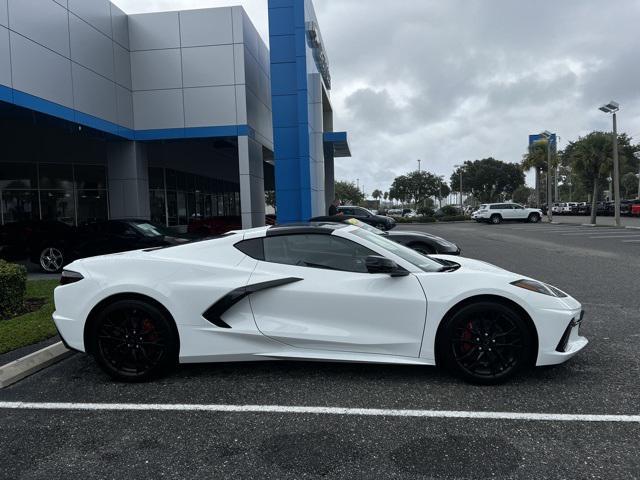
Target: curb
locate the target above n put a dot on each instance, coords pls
(23, 367)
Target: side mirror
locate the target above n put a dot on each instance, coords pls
(384, 265)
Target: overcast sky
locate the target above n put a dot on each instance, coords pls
(453, 80)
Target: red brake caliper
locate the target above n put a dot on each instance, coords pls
(467, 336)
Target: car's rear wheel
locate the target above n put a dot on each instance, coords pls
(495, 219)
(534, 218)
(134, 341)
(485, 343)
(51, 259)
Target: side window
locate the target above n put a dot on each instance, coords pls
(348, 211)
(496, 207)
(361, 212)
(317, 251)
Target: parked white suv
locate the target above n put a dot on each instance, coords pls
(496, 213)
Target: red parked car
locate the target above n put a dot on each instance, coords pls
(635, 208)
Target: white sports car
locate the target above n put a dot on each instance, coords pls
(330, 292)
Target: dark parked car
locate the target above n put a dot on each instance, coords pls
(52, 245)
(422, 242)
(378, 221)
(43, 242)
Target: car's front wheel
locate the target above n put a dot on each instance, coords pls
(534, 218)
(134, 341)
(485, 343)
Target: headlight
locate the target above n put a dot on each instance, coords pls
(539, 287)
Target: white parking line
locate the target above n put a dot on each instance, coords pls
(608, 232)
(619, 236)
(631, 241)
(374, 412)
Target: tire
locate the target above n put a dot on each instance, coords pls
(123, 331)
(485, 343)
(51, 259)
(495, 219)
(534, 218)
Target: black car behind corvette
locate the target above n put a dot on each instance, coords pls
(422, 242)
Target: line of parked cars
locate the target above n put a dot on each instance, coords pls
(627, 208)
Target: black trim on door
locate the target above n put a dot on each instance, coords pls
(214, 312)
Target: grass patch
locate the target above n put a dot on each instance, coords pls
(32, 327)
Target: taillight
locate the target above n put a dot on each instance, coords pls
(70, 277)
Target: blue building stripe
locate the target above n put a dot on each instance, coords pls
(25, 100)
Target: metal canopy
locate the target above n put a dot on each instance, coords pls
(338, 143)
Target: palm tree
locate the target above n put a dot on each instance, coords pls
(591, 159)
(377, 194)
(537, 158)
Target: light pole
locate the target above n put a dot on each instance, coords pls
(419, 165)
(549, 136)
(637, 155)
(460, 169)
(613, 108)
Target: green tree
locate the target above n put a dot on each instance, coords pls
(630, 185)
(377, 194)
(443, 190)
(488, 179)
(523, 194)
(415, 187)
(348, 192)
(591, 159)
(537, 158)
(386, 196)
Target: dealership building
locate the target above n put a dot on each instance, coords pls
(169, 116)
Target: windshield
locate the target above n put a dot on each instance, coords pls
(364, 226)
(422, 262)
(152, 230)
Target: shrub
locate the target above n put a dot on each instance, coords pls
(450, 211)
(13, 284)
(426, 211)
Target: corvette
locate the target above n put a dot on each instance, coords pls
(322, 292)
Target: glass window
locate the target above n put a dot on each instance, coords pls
(172, 208)
(90, 177)
(182, 208)
(58, 205)
(92, 206)
(421, 261)
(156, 178)
(157, 205)
(20, 205)
(56, 177)
(18, 176)
(317, 251)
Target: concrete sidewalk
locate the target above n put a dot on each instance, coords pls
(605, 221)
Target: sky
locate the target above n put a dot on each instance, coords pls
(446, 81)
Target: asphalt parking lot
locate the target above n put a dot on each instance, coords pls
(599, 266)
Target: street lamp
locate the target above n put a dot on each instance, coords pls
(637, 155)
(613, 108)
(460, 168)
(548, 136)
(419, 165)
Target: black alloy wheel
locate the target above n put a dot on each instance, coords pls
(534, 218)
(51, 259)
(496, 219)
(485, 343)
(134, 341)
